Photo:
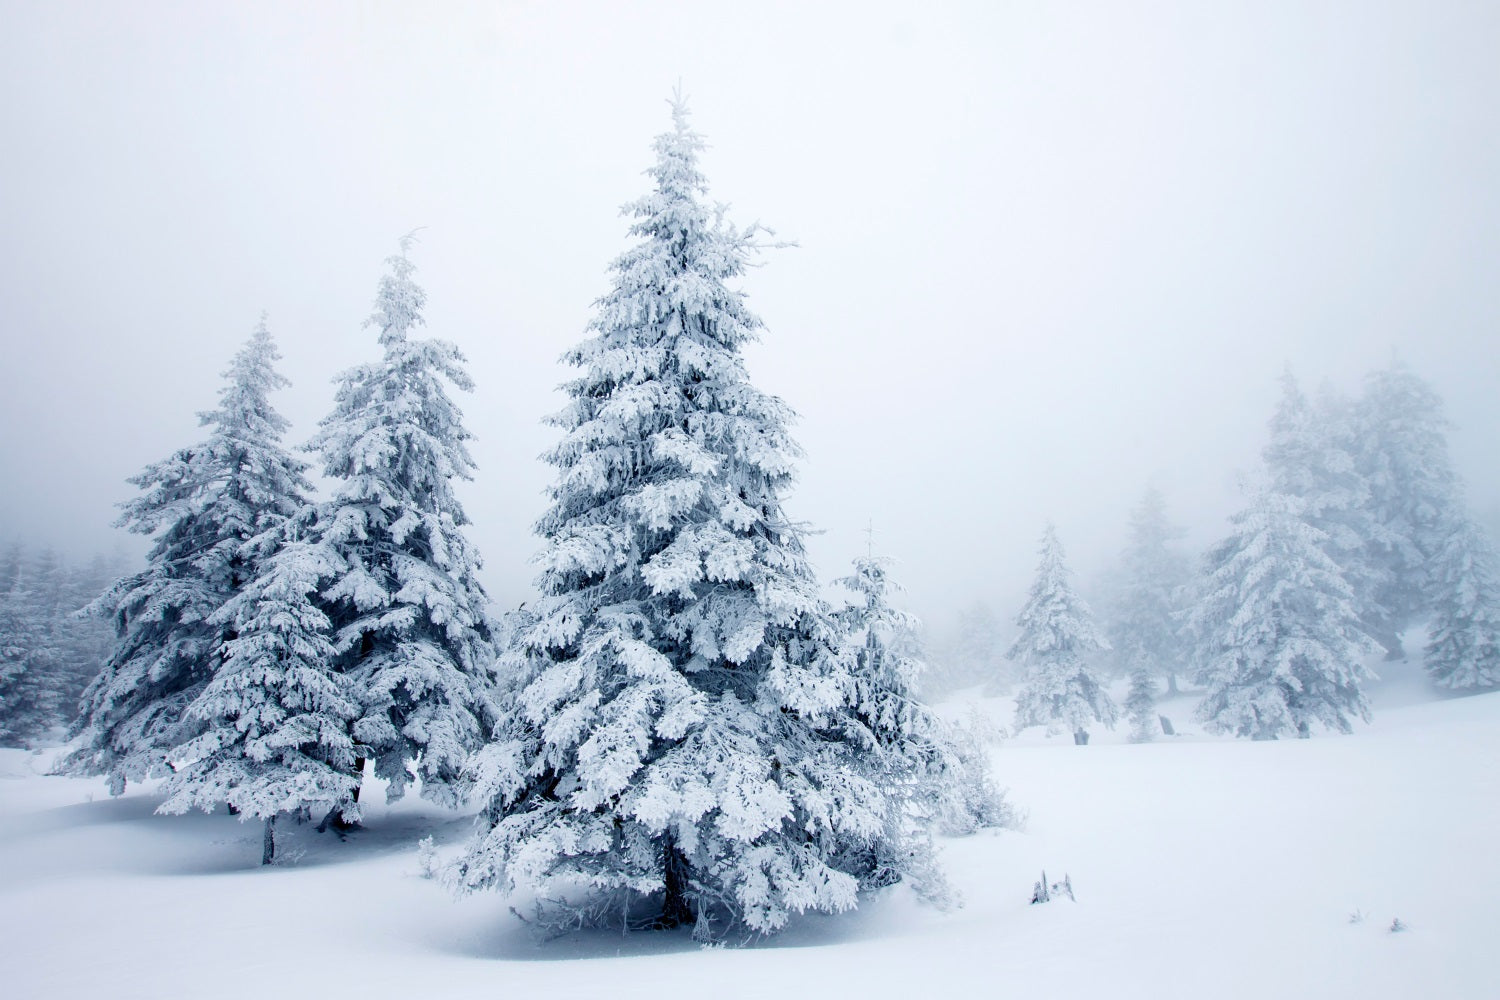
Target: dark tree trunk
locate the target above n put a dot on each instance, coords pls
(359, 775)
(1081, 737)
(675, 910)
(268, 843)
(1172, 684)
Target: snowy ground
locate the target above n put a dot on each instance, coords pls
(1202, 867)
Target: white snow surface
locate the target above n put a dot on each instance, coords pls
(1202, 866)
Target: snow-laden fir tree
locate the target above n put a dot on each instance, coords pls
(275, 719)
(939, 778)
(1312, 455)
(1278, 639)
(1148, 597)
(1403, 461)
(1463, 647)
(1058, 635)
(205, 504)
(685, 725)
(410, 619)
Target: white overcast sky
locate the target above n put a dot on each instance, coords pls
(1049, 252)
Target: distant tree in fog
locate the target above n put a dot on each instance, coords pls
(937, 777)
(1278, 641)
(49, 651)
(1313, 455)
(1463, 647)
(30, 656)
(1058, 634)
(1147, 597)
(972, 652)
(1403, 460)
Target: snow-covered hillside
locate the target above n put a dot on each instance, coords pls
(1202, 867)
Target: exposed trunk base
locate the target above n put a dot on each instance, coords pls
(268, 842)
(1172, 684)
(1081, 737)
(336, 822)
(675, 909)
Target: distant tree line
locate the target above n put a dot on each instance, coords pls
(1356, 533)
(50, 649)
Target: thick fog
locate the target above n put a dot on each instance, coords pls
(1048, 254)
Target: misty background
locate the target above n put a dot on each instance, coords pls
(1049, 254)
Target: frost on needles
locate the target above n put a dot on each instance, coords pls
(685, 735)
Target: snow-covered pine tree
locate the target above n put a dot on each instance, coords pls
(410, 618)
(1058, 633)
(1463, 647)
(1403, 460)
(1148, 597)
(204, 504)
(1278, 638)
(935, 775)
(1312, 455)
(684, 724)
(275, 719)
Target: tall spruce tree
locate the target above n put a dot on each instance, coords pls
(410, 618)
(1058, 633)
(685, 725)
(1463, 647)
(206, 505)
(1278, 638)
